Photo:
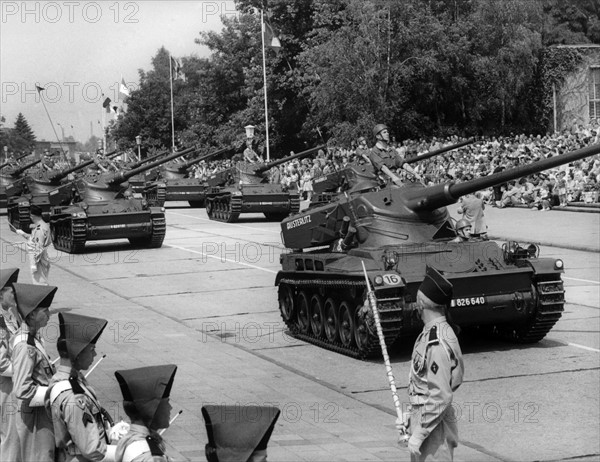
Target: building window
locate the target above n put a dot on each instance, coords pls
(595, 93)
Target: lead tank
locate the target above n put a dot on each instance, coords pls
(245, 188)
(13, 183)
(396, 231)
(177, 184)
(108, 210)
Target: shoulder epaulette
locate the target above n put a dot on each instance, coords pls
(76, 386)
(433, 337)
(31, 339)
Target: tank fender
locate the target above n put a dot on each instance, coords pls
(547, 265)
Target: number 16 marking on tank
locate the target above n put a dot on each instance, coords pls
(391, 279)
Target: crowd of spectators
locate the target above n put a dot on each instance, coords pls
(574, 182)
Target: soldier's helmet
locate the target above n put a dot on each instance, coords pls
(77, 332)
(144, 389)
(237, 432)
(31, 296)
(461, 225)
(378, 128)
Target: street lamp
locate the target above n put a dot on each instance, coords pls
(249, 131)
(5, 153)
(138, 141)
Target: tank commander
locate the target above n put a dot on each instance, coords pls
(436, 372)
(382, 153)
(250, 154)
(463, 229)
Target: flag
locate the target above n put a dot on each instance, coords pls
(123, 88)
(38, 88)
(177, 68)
(106, 105)
(271, 39)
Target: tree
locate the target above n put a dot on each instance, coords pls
(22, 137)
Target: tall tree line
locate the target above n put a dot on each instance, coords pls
(425, 68)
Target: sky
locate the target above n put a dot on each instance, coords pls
(78, 51)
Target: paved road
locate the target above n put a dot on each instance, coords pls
(206, 302)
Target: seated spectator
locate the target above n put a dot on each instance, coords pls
(510, 197)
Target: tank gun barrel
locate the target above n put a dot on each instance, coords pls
(120, 177)
(275, 163)
(147, 159)
(5, 164)
(199, 159)
(20, 170)
(64, 173)
(437, 152)
(437, 196)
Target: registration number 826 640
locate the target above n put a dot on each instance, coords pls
(468, 301)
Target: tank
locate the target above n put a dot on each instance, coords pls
(177, 185)
(13, 183)
(44, 189)
(505, 290)
(108, 210)
(362, 177)
(245, 188)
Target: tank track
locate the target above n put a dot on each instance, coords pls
(69, 234)
(19, 217)
(549, 308)
(224, 207)
(159, 230)
(390, 312)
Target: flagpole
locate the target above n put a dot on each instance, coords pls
(172, 116)
(262, 28)
(51, 123)
(104, 150)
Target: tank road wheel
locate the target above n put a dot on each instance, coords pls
(362, 334)
(331, 324)
(317, 315)
(303, 319)
(346, 324)
(286, 303)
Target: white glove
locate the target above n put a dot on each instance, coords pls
(118, 430)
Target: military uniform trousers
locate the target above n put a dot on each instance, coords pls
(440, 444)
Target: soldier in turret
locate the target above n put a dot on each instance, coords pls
(383, 153)
(435, 374)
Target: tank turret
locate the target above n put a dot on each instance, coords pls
(504, 291)
(18, 171)
(411, 214)
(362, 177)
(180, 170)
(107, 186)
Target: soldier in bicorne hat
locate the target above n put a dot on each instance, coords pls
(81, 425)
(238, 433)
(10, 320)
(436, 372)
(146, 392)
(32, 371)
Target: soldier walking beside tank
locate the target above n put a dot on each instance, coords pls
(436, 372)
(81, 425)
(32, 371)
(146, 392)
(37, 246)
(10, 320)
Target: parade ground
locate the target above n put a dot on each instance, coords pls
(206, 301)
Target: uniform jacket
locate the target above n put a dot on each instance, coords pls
(384, 156)
(436, 372)
(79, 425)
